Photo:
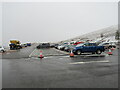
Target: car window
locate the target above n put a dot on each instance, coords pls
(91, 44)
(86, 44)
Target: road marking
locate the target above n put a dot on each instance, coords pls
(32, 53)
(89, 62)
(61, 51)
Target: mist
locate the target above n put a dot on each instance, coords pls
(55, 21)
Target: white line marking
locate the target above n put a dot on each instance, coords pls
(89, 62)
(32, 53)
(61, 51)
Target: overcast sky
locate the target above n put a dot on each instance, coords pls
(51, 22)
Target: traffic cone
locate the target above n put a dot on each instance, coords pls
(71, 54)
(41, 56)
(110, 52)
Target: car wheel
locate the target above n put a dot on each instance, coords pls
(3, 51)
(114, 46)
(78, 52)
(98, 52)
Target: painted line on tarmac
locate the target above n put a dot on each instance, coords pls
(32, 53)
(61, 51)
(105, 61)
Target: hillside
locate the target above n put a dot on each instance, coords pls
(107, 32)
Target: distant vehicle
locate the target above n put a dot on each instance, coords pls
(56, 46)
(2, 49)
(68, 48)
(15, 44)
(108, 45)
(24, 45)
(61, 47)
(88, 48)
(72, 42)
(53, 45)
(28, 44)
(43, 45)
(77, 43)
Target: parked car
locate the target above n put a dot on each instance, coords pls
(56, 46)
(43, 45)
(28, 44)
(61, 47)
(2, 49)
(77, 43)
(53, 45)
(68, 48)
(108, 45)
(88, 48)
(24, 45)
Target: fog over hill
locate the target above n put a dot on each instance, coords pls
(107, 32)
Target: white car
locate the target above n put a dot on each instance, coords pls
(60, 47)
(2, 49)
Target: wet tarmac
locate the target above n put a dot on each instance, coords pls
(22, 71)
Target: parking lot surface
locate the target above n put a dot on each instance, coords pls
(22, 70)
(47, 52)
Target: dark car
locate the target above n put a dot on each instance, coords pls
(56, 46)
(28, 44)
(43, 45)
(53, 45)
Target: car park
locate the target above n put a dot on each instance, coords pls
(2, 49)
(88, 48)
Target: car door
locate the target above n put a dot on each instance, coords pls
(86, 47)
(92, 47)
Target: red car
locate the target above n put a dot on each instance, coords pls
(77, 43)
